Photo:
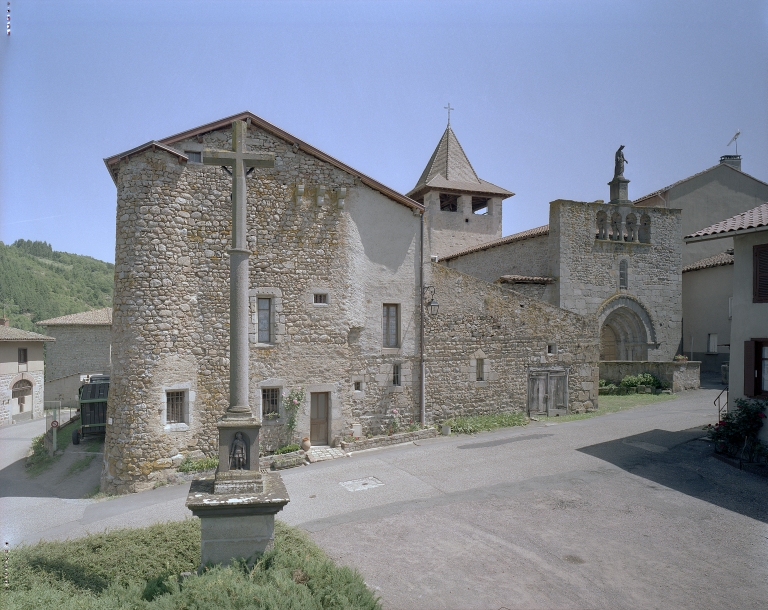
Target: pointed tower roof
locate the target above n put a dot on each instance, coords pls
(449, 169)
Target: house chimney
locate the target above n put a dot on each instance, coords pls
(4, 322)
(732, 160)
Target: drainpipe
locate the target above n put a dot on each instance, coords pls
(422, 407)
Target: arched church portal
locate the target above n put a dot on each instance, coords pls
(623, 336)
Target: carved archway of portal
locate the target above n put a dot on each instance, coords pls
(626, 329)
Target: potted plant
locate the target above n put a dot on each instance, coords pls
(305, 444)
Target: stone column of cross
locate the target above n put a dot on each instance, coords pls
(238, 159)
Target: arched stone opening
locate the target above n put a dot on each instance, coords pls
(21, 392)
(623, 336)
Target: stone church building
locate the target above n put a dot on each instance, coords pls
(345, 278)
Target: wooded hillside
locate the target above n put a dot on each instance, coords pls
(38, 283)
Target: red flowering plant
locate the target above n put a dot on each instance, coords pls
(737, 434)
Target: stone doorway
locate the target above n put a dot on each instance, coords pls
(318, 417)
(21, 393)
(623, 336)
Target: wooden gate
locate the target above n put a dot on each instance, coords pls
(318, 418)
(548, 392)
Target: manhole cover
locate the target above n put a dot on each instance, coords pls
(360, 484)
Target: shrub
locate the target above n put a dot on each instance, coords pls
(478, 423)
(287, 449)
(737, 433)
(632, 381)
(208, 463)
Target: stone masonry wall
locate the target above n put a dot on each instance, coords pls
(525, 257)
(587, 268)
(511, 333)
(170, 319)
(77, 350)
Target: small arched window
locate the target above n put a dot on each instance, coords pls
(616, 234)
(624, 274)
(631, 223)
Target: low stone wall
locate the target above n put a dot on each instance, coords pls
(384, 441)
(679, 376)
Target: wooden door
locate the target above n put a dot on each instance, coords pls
(318, 418)
(537, 393)
(557, 390)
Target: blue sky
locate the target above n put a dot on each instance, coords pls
(544, 92)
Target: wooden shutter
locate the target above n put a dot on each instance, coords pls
(750, 368)
(760, 273)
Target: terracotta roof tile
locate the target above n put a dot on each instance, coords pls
(751, 219)
(95, 317)
(527, 234)
(718, 260)
(8, 333)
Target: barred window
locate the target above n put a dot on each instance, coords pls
(624, 274)
(389, 325)
(270, 401)
(480, 369)
(358, 386)
(174, 407)
(264, 320)
(396, 374)
(194, 156)
(22, 355)
(321, 298)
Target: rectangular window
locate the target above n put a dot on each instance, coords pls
(358, 386)
(389, 324)
(760, 274)
(321, 298)
(22, 355)
(449, 203)
(194, 156)
(395, 374)
(552, 349)
(756, 368)
(480, 205)
(270, 401)
(480, 370)
(174, 407)
(711, 343)
(264, 320)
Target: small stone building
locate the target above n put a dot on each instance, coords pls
(83, 347)
(22, 393)
(340, 271)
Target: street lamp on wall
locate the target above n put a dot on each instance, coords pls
(430, 303)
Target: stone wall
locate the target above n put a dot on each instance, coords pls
(525, 257)
(679, 376)
(77, 350)
(9, 407)
(512, 334)
(587, 268)
(449, 232)
(170, 319)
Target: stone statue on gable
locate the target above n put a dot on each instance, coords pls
(620, 161)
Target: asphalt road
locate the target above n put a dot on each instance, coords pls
(627, 510)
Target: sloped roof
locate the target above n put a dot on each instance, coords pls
(696, 175)
(449, 168)
(525, 279)
(755, 219)
(718, 260)
(96, 317)
(167, 145)
(8, 333)
(527, 234)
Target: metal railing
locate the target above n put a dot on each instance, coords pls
(722, 405)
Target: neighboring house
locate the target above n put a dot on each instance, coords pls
(22, 394)
(749, 325)
(705, 199)
(83, 347)
(340, 270)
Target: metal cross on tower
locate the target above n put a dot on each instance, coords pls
(448, 108)
(238, 159)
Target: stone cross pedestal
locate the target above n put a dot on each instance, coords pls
(237, 506)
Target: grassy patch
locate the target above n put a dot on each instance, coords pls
(140, 569)
(189, 465)
(79, 465)
(479, 423)
(613, 404)
(287, 449)
(40, 461)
